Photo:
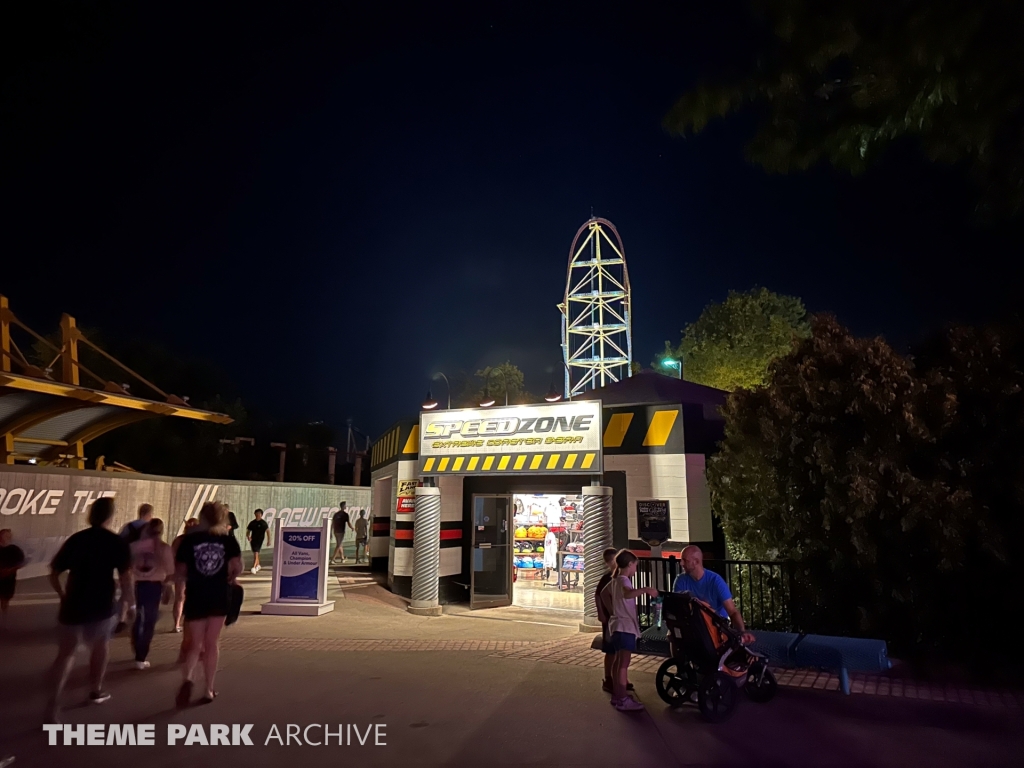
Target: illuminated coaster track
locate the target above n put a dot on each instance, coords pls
(597, 339)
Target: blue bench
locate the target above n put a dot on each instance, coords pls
(841, 655)
(834, 654)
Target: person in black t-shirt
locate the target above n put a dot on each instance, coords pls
(256, 532)
(338, 524)
(207, 562)
(232, 520)
(88, 612)
(11, 559)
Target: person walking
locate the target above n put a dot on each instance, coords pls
(153, 571)
(11, 559)
(339, 522)
(208, 561)
(88, 611)
(179, 589)
(232, 520)
(256, 533)
(619, 598)
(361, 529)
(131, 532)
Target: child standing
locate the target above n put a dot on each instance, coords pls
(619, 599)
(602, 615)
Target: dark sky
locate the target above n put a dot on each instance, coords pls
(334, 203)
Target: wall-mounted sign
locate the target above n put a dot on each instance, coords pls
(652, 521)
(562, 438)
(406, 495)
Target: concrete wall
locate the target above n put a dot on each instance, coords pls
(43, 506)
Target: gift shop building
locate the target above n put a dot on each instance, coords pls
(514, 505)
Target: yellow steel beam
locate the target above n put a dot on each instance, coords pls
(28, 384)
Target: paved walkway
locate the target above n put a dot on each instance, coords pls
(460, 690)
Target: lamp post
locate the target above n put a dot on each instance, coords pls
(488, 401)
(447, 386)
(677, 364)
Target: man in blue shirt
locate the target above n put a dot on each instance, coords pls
(710, 588)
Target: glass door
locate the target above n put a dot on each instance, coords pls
(491, 582)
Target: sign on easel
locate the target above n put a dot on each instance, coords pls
(653, 523)
(299, 587)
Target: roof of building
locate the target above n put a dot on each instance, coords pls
(654, 387)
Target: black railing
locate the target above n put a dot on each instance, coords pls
(760, 589)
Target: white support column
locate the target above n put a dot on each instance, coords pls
(426, 552)
(597, 529)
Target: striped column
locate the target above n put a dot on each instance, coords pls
(426, 551)
(597, 530)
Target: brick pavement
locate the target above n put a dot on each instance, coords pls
(229, 642)
(576, 651)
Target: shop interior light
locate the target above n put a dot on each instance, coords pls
(553, 395)
(430, 403)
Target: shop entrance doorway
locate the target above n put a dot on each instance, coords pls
(548, 544)
(491, 580)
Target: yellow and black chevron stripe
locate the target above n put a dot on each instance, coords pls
(643, 429)
(402, 441)
(509, 463)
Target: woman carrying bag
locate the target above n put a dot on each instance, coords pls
(208, 563)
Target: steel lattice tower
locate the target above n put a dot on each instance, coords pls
(597, 339)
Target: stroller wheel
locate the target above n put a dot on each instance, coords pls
(761, 685)
(716, 696)
(676, 682)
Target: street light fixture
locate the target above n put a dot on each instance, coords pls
(553, 395)
(447, 385)
(677, 364)
(488, 401)
(430, 403)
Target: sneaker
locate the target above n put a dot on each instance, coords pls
(98, 697)
(629, 704)
(6, 761)
(142, 665)
(252, 570)
(259, 568)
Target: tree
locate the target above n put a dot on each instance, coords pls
(732, 343)
(493, 382)
(841, 81)
(855, 463)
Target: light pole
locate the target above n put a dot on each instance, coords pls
(677, 364)
(447, 386)
(488, 401)
(430, 403)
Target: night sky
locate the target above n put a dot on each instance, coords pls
(332, 204)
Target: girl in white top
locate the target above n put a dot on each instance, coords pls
(153, 569)
(619, 601)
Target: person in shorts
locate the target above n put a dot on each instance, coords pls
(606, 644)
(11, 559)
(338, 524)
(619, 599)
(256, 533)
(88, 611)
(207, 562)
(361, 529)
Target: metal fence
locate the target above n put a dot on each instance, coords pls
(760, 589)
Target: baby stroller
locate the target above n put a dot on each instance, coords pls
(706, 658)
